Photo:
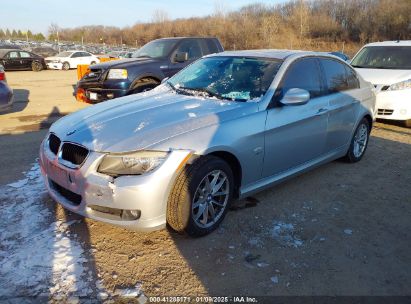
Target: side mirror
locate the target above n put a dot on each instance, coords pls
(181, 57)
(295, 97)
(164, 80)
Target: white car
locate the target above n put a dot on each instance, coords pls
(70, 59)
(387, 65)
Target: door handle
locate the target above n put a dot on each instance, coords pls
(321, 111)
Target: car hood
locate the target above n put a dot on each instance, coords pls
(139, 121)
(122, 63)
(384, 76)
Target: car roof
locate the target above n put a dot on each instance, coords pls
(391, 43)
(274, 54)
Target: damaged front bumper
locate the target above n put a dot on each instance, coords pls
(137, 202)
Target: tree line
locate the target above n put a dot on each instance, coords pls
(18, 34)
(304, 24)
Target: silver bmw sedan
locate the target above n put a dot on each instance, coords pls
(226, 126)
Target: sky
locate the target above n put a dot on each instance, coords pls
(37, 15)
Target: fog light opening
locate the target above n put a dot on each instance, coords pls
(130, 215)
(110, 95)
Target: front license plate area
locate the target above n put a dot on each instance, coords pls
(58, 175)
(93, 96)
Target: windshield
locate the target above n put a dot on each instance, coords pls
(156, 49)
(64, 54)
(233, 78)
(384, 57)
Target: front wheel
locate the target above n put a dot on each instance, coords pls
(200, 198)
(359, 142)
(65, 66)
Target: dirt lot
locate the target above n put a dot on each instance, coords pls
(342, 229)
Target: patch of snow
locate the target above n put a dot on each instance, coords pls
(192, 106)
(131, 292)
(192, 115)
(19, 183)
(348, 231)
(274, 279)
(284, 233)
(36, 255)
(140, 126)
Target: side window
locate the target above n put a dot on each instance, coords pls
(25, 55)
(302, 74)
(84, 54)
(76, 55)
(335, 75)
(13, 55)
(352, 79)
(212, 46)
(191, 47)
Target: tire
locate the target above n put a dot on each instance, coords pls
(65, 66)
(93, 62)
(36, 66)
(190, 195)
(144, 85)
(359, 142)
(407, 123)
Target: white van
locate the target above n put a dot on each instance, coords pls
(387, 65)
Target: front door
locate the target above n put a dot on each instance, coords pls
(12, 61)
(295, 135)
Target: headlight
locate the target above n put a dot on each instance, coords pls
(400, 85)
(117, 74)
(134, 163)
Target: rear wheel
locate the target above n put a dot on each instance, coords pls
(200, 197)
(65, 66)
(359, 142)
(36, 66)
(93, 62)
(144, 85)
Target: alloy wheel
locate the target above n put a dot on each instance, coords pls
(210, 199)
(360, 140)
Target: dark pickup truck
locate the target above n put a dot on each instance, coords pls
(146, 69)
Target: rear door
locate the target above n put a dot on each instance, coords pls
(190, 46)
(296, 134)
(342, 88)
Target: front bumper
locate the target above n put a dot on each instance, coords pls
(54, 65)
(146, 193)
(394, 105)
(99, 91)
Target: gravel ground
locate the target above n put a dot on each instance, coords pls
(341, 229)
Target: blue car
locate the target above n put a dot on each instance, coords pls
(6, 93)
